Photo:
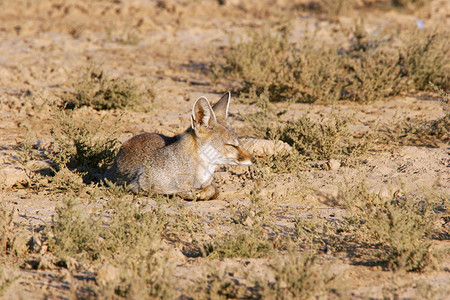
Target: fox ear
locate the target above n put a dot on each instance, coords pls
(221, 107)
(202, 113)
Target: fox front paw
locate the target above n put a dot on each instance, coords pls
(207, 193)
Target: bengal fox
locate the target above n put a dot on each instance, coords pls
(183, 164)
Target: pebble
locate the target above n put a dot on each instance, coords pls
(107, 273)
(10, 176)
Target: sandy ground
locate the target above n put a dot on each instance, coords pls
(43, 44)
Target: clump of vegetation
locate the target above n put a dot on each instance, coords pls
(96, 89)
(426, 58)
(414, 131)
(318, 140)
(259, 62)
(6, 228)
(241, 242)
(316, 233)
(407, 3)
(219, 285)
(298, 276)
(267, 62)
(119, 233)
(12, 245)
(401, 223)
(372, 76)
(127, 36)
(12, 241)
(75, 231)
(80, 144)
(248, 237)
(307, 72)
(417, 132)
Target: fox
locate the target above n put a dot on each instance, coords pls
(184, 164)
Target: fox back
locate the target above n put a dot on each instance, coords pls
(183, 164)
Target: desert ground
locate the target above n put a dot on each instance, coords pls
(349, 198)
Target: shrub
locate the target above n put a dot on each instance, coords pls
(372, 76)
(119, 233)
(260, 61)
(82, 144)
(401, 223)
(298, 276)
(96, 89)
(306, 72)
(426, 58)
(414, 131)
(321, 140)
(241, 242)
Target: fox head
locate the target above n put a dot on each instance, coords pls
(217, 142)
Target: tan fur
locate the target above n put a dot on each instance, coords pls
(183, 164)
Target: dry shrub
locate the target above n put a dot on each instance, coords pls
(316, 139)
(307, 72)
(241, 242)
(6, 228)
(373, 77)
(219, 285)
(82, 144)
(324, 139)
(76, 231)
(298, 276)
(259, 61)
(417, 132)
(249, 235)
(119, 233)
(13, 245)
(402, 224)
(406, 3)
(126, 36)
(12, 239)
(426, 58)
(95, 88)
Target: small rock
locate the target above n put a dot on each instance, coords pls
(222, 176)
(72, 263)
(261, 147)
(45, 263)
(334, 164)
(248, 221)
(107, 274)
(65, 276)
(310, 198)
(35, 244)
(10, 176)
(177, 255)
